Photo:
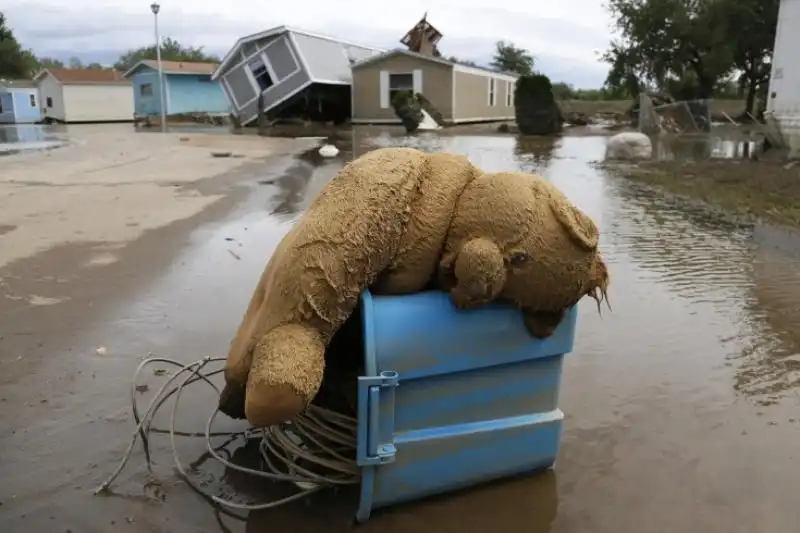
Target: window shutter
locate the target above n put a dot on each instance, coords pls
(418, 81)
(384, 88)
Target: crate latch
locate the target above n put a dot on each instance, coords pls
(376, 419)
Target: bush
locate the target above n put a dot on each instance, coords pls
(408, 110)
(535, 106)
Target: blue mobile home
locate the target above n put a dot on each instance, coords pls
(188, 88)
(19, 102)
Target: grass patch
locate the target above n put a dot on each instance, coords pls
(755, 189)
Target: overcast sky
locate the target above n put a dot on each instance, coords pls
(565, 36)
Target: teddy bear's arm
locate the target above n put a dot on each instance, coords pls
(475, 274)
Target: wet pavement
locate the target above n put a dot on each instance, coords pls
(682, 405)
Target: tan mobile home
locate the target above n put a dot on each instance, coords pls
(462, 93)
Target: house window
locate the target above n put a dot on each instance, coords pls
(33, 100)
(146, 89)
(492, 92)
(399, 83)
(261, 74)
(509, 94)
(49, 102)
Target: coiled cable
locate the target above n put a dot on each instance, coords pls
(314, 451)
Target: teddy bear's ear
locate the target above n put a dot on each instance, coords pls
(479, 272)
(581, 229)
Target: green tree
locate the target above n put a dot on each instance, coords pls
(752, 25)
(468, 62)
(679, 43)
(75, 62)
(510, 58)
(49, 62)
(171, 50)
(15, 61)
(563, 91)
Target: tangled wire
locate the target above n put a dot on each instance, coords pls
(314, 451)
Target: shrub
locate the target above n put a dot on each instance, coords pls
(535, 106)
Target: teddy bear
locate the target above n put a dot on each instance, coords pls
(398, 221)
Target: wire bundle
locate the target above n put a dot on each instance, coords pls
(314, 451)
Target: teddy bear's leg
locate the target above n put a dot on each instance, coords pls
(542, 324)
(288, 364)
(478, 274)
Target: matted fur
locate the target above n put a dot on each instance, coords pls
(390, 220)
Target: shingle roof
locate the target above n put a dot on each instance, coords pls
(86, 75)
(177, 67)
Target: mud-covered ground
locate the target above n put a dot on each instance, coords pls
(681, 404)
(759, 189)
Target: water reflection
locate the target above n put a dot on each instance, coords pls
(15, 138)
(300, 183)
(751, 292)
(533, 154)
(702, 147)
(527, 503)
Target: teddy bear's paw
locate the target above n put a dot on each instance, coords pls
(288, 365)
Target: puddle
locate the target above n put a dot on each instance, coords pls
(18, 138)
(695, 368)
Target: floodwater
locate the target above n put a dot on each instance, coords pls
(682, 404)
(16, 138)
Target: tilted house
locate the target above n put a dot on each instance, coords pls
(281, 64)
(19, 102)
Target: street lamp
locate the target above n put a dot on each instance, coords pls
(155, 8)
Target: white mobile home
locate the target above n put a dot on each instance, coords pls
(783, 101)
(84, 95)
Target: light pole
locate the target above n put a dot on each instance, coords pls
(155, 8)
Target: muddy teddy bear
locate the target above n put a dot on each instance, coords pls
(395, 220)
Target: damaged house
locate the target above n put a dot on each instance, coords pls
(460, 93)
(292, 72)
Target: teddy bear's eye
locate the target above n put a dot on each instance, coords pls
(517, 258)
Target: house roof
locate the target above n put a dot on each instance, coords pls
(175, 67)
(432, 59)
(17, 84)
(343, 49)
(82, 76)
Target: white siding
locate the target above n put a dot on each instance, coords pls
(785, 77)
(98, 103)
(49, 87)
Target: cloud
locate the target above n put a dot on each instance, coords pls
(562, 35)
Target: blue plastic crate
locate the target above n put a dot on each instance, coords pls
(450, 398)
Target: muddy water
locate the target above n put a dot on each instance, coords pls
(681, 405)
